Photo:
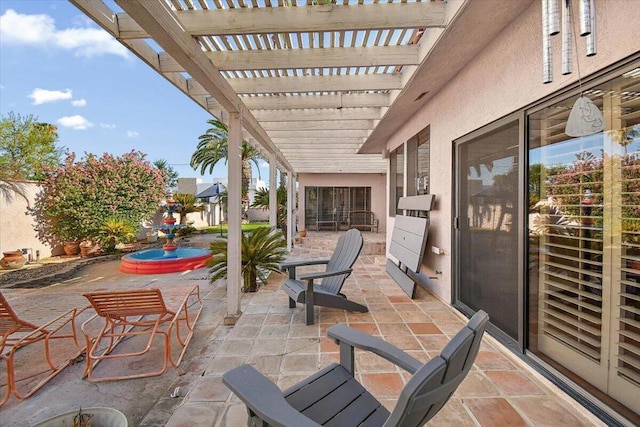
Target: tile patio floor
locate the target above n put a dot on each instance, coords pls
(500, 390)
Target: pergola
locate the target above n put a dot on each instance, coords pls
(318, 86)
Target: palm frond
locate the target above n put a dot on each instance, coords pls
(263, 249)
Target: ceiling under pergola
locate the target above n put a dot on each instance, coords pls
(312, 82)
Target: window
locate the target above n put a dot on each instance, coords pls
(417, 169)
(397, 180)
(422, 172)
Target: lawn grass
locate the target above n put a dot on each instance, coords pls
(245, 227)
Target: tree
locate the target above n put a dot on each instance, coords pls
(28, 147)
(214, 147)
(261, 201)
(171, 176)
(188, 203)
(77, 198)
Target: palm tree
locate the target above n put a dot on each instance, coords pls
(263, 249)
(170, 174)
(188, 203)
(261, 201)
(214, 146)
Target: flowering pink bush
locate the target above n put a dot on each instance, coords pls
(77, 198)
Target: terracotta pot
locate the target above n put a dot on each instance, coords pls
(87, 250)
(12, 260)
(71, 248)
(303, 233)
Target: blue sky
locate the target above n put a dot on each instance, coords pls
(59, 66)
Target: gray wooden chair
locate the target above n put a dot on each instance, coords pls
(327, 293)
(333, 397)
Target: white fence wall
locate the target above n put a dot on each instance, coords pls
(16, 225)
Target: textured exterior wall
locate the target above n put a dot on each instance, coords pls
(16, 225)
(377, 182)
(502, 78)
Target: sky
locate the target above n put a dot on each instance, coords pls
(62, 68)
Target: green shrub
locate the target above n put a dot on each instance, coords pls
(263, 249)
(77, 198)
(115, 231)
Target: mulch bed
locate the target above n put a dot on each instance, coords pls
(48, 273)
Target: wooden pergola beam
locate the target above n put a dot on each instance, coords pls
(277, 135)
(318, 114)
(269, 85)
(273, 59)
(254, 20)
(304, 101)
(288, 126)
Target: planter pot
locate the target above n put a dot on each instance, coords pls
(87, 251)
(12, 260)
(303, 233)
(71, 248)
(101, 417)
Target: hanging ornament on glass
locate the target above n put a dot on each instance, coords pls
(585, 118)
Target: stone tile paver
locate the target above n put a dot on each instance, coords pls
(274, 338)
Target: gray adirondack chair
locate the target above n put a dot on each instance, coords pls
(333, 397)
(302, 288)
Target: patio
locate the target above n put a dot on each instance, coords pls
(500, 390)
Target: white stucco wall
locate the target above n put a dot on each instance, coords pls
(16, 225)
(502, 78)
(377, 182)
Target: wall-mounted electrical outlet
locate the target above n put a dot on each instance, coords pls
(436, 250)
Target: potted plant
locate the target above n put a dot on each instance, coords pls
(88, 248)
(115, 231)
(263, 249)
(86, 417)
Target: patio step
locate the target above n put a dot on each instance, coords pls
(320, 242)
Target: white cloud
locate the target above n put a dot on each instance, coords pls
(107, 126)
(75, 122)
(79, 102)
(263, 164)
(40, 30)
(26, 29)
(132, 134)
(89, 42)
(43, 96)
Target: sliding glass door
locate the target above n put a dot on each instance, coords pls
(486, 232)
(584, 242)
